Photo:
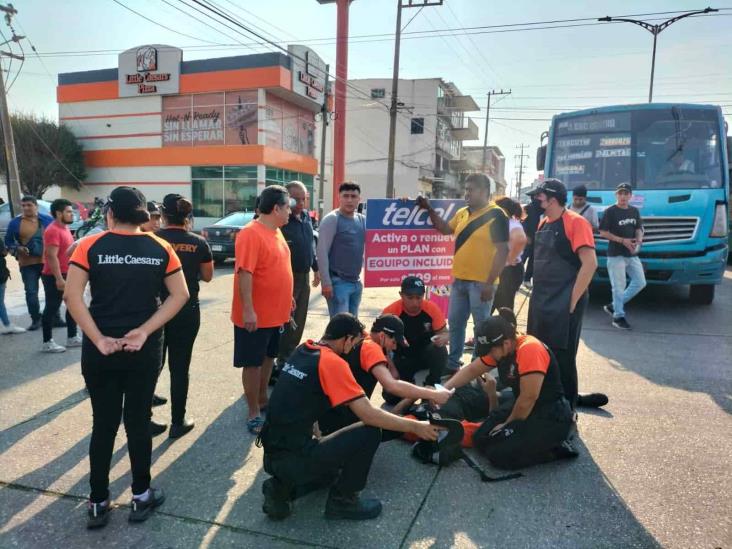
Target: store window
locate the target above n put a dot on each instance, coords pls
(278, 176)
(220, 190)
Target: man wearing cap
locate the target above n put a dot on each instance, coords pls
(155, 217)
(315, 380)
(481, 249)
(582, 207)
(564, 263)
(425, 330)
(623, 227)
(369, 364)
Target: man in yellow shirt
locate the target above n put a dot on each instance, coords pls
(481, 248)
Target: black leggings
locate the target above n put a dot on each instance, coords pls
(120, 385)
(180, 335)
(509, 283)
(54, 297)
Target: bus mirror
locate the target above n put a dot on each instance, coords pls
(540, 158)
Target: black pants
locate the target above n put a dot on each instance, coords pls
(301, 293)
(510, 281)
(567, 358)
(120, 385)
(54, 297)
(430, 357)
(523, 443)
(469, 403)
(349, 452)
(180, 335)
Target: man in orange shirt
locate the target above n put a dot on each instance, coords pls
(262, 300)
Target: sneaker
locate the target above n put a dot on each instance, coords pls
(469, 344)
(75, 341)
(621, 323)
(97, 514)
(351, 506)
(609, 309)
(51, 346)
(34, 325)
(158, 400)
(177, 430)
(157, 428)
(12, 329)
(592, 400)
(277, 501)
(141, 510)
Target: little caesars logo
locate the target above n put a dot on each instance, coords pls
(116, 259)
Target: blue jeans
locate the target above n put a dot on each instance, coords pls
(464, 301)
(3, 311)
(31, 275)
(617, 269)
(346, 296)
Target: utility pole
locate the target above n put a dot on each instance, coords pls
(393, 109)
(655, 30)
(13, 177)
(487, 119)
(324, 113)
(521, 156)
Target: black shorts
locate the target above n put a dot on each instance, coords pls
(250, 348)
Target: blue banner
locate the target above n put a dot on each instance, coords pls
(398, 214)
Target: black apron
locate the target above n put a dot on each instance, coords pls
(555, 272)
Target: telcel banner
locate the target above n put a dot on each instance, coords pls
(401, 241)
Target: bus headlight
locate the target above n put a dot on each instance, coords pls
(719, 226)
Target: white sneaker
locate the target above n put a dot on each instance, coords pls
(51, 346)
(73, 341)
(11, 329)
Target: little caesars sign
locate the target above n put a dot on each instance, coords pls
(149, 70)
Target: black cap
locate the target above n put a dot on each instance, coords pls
(579, 190)
(126, 199)
(170, 203)
(152, 208)
(624, 187)
(412, 285)
(492, 332)
(343, 325)
(392, 326)
(551, 188)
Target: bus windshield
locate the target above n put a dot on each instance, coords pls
(674, 148)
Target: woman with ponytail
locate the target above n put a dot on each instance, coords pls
(180, 333)
(123, 341)
(537, 425)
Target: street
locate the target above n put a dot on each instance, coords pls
(654, 468)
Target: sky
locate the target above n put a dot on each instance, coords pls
(547, 70)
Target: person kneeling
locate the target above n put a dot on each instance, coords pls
(538, 426)
(313, 380)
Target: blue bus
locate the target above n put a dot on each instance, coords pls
(676, 158)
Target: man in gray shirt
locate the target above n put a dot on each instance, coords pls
(582, 207)
(341, 243)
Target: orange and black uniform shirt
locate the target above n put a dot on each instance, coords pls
(312, 381)
(192, 250)
(362, 359)
(532, 356)
(419, 328)
(126, 272)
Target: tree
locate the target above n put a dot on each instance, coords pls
(48, 155)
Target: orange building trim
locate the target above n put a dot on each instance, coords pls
(199, 82)
(213, 155)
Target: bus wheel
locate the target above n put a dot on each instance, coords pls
(701, 294)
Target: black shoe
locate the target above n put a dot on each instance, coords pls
(141, 510)
(97, 515)
(177, 430)
(351, 507)
(58, 323)
(157, 428)
(621, 323)
(158, 400)
(34, 325)
(592, 400)
(277, 501)
(566, 450)
(609, 309)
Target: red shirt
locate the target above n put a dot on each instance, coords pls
(58, 235)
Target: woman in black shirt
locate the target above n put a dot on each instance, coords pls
(181, 331)
(122, 346)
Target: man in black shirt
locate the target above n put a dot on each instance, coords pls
(623, 228)
(299, 236)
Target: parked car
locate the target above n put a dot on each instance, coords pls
(222, 234)
(44, 207)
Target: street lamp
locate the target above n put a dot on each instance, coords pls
(655, 30)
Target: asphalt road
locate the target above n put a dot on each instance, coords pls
(654, 468)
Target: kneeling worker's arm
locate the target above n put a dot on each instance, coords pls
(405, 389)
(375, 417)
(530, 387)
(467, 374)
